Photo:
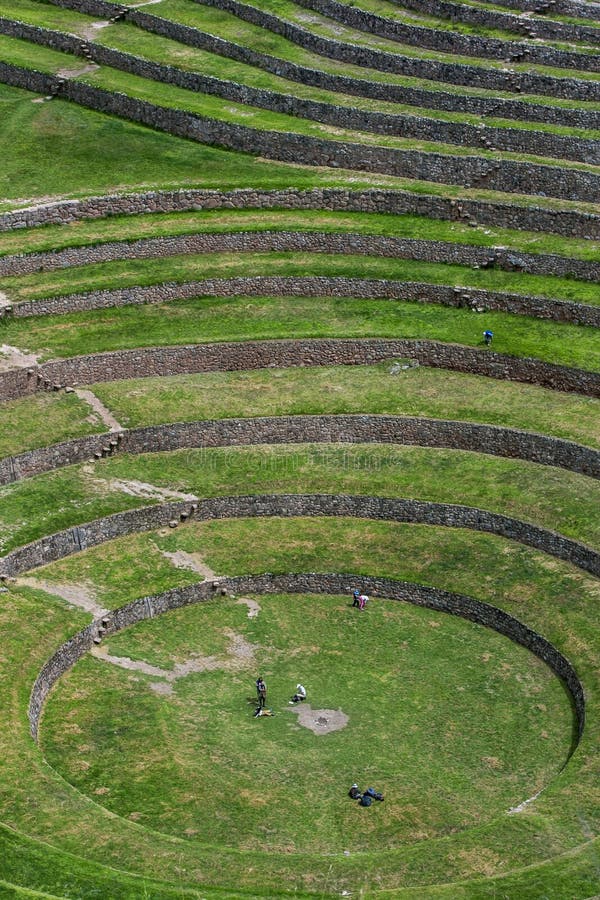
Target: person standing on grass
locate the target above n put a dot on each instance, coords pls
(362, 601)
(261, 692)
(356, 598)
(487, 337)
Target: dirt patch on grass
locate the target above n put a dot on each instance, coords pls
(240, 650)
(135, 488)
(12, 357)
(240, 655)
(194, 561)
(99, 410)
(320, 721)
(74, 73)
(80, 595)
(90, 32)
(184, 560)
(253, 607)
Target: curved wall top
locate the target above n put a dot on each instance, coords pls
(356, 429)
(567, 222)
(81, 537)
(433, 598)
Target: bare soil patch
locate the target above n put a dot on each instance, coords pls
(240, 655)
(81, 70)
(81, 595)
(99, 409)
(184, 560)
(12, 357)
(89, 32)
(135, 488)
(253, 607)
(320, 721)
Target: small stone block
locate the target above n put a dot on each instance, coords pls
(173, 523)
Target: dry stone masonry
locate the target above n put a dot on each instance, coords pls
(501, 215)
(81, 537)
(353, 429)
(245, 356)
(310, 583)
(313, 286)
(305, 242)
(491, 173)
(537, 143)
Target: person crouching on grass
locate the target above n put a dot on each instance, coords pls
(300, 694)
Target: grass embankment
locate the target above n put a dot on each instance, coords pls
(133, 40)
(352, 389)
(122, 228)
(167, 96)
(555, 603)
(391, 15)
(264, 318)
(107, 155)
(50, 418)
(554, 499)
(232, 28)
(253, 117)
(130, 38)
(123, 273)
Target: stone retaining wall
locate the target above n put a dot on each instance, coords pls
(81, 537)
(471, 171)
(489, 106)
(579, 9)
(502, 215)
(537, 143)
(306, 242)
(353, 429)
(314, 286)
(237, 356)
(332, 584)
(440, 40)
(433, 70)
(547, 29)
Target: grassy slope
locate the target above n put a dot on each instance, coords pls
(265, 318)
(418, 555)
(36, 140)
(554, 499)
(192, 267)
(124, 228)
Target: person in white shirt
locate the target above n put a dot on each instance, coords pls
(300, 694)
